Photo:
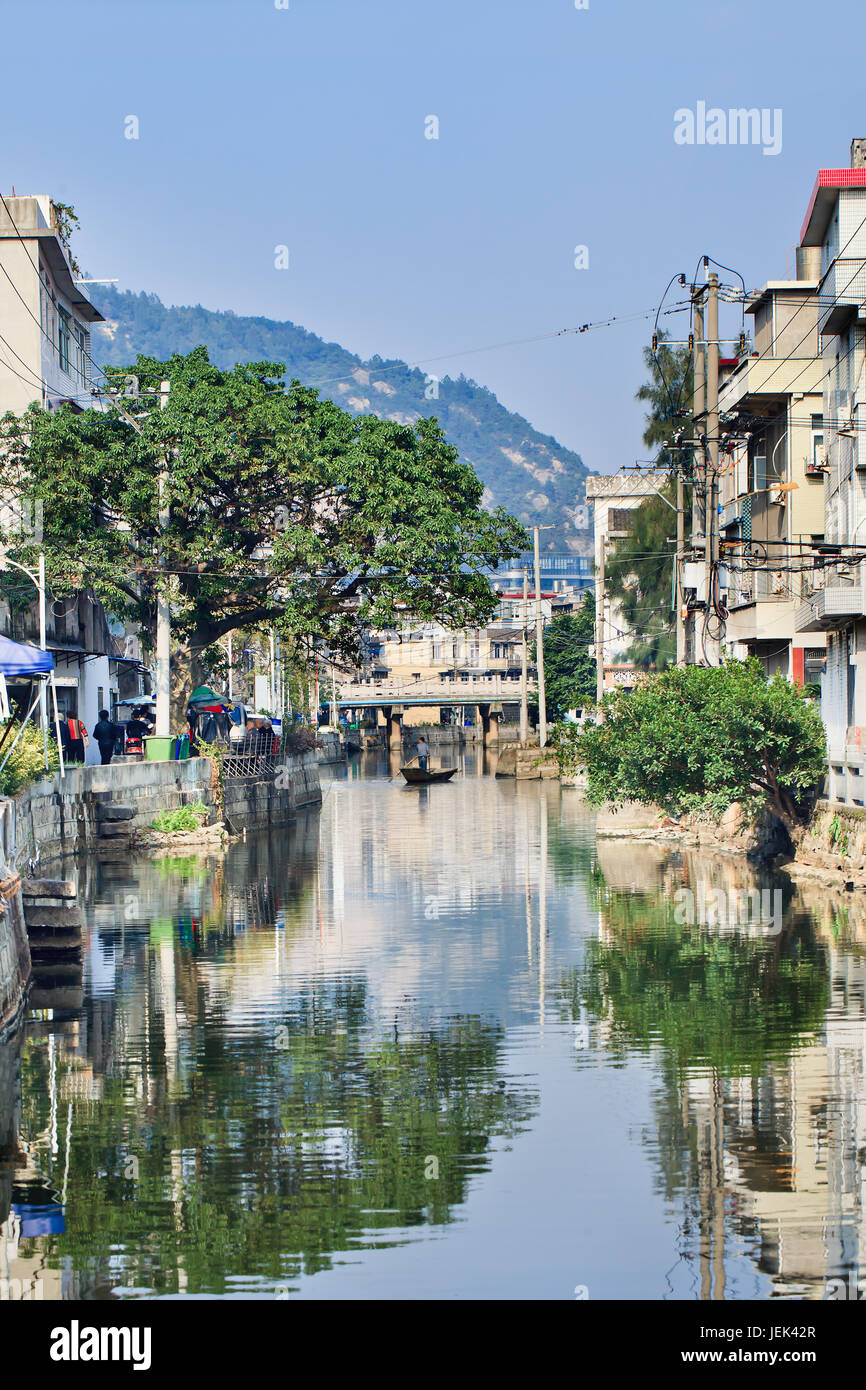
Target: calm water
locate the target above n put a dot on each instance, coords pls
(441, 1043)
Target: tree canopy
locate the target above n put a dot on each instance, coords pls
(569, 670)
(698, 737)
(282, 509)
(500, 444)
(639, 572)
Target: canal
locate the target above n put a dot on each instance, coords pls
(442, 1043)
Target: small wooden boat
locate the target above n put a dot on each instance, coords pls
(433, 774)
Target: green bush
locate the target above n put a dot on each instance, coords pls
(191, 817)
(27, 763)
(700, 738)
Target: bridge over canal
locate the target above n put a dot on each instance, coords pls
(486, 693)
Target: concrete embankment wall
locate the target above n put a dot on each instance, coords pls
(14, 945)
(60, 816)
(835, 841)
(439, 735)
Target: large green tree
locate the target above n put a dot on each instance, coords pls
(281, 509)
(569, 670)
(699, 737)
(640, 566)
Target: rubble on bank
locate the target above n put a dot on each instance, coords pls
(526, 761)
(831, 848)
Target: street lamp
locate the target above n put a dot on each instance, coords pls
(539, 639)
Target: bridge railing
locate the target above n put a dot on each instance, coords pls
(465, 689)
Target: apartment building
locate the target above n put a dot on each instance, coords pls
(834, 230)
(771, 479)
(612, 498)
(45, 316)
(45, 325)
(458, 670)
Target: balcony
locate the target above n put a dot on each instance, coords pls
(830, 608)
(843, 294)
(761, 380)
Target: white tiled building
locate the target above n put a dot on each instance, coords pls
(836, 223)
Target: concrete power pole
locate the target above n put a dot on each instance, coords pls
(539, 645)
(699, 461)
(599, 629)
(163, 611)
(524, 695)
(712, 528)
(679, 560)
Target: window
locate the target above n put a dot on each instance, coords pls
(64, 337)
(100, 698)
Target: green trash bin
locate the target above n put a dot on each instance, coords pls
(158, 749)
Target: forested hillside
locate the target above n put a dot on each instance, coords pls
(529, 473)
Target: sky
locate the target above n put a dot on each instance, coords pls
(306, 124)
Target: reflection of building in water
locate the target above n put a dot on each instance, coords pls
(793, 1158)
(769, 1158)
(31, 1208)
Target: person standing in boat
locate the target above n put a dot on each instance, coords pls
(423, 753)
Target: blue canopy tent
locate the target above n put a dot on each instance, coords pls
(20, 659)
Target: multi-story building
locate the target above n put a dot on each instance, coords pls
(835, 599)
(771, 480)
(45, 316)
(456, 670)
(613, 497)
(45, 323)
(560, 573)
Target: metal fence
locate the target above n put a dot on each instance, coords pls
(262, 766)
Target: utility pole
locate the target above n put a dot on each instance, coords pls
(711, 554)
(599, 628)
(231, 672)
(539, 645)
(335, 723)
(43, 691)
(678, 561)
(163, 611)
(524, 694)
(699, 464)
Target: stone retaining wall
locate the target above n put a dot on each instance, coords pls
(60, 816)
(14, 945)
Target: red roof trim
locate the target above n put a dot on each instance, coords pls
(832, 178)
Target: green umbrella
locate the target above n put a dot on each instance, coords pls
(204, 695)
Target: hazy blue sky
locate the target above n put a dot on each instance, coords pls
(305, 127)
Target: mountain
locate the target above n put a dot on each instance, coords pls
(528, 473)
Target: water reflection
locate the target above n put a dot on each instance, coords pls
(439, 1041)
(760, 1036)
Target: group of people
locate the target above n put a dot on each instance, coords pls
(72, 735)
(260, 738)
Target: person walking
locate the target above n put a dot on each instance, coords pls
(105, 733)
(423, 753)
(63, 736)
(78, 740)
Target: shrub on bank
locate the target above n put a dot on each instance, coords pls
(191, 817)
(701, 738)
(27, 763)
(301, 740)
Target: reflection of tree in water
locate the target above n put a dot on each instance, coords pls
(725, 1013)
(10, 1105)
(287, 1143)
(708, 998)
